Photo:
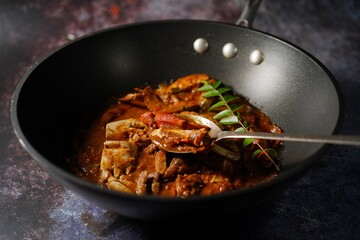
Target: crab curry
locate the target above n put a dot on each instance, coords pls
(127, 148)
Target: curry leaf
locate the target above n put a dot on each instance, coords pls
(231, 115)
(255, 153)
(205, 88)
(224, 89)
(246, 124)
(235, 107)
(229, 120)
(222, 114)
(228, 98)
(247, 141)
(212, 93)
(216, 84)
(239, 117)
(217, 105)
(272, 152)
(240, 129)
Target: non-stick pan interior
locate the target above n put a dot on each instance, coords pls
(67, 89)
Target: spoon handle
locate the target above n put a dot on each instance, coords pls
(331, 139)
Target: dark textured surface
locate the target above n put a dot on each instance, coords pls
(323, 204)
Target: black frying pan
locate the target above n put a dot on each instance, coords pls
(60, 94)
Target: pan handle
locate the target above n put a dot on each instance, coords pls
(248, 15)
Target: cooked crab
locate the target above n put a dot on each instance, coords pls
(179, 96)
(135, 155)
(127, 141)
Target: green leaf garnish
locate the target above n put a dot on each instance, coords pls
(228, 98)
(272, 152)
(229, 120)
(222, 114)
(231, 116)
(240, 129)
(246, 124)
(224, 90)
(247, 142)
(217, 105)
(205, 88)
(216, 84)
(212, 93)
(235, 107)
(255, 153)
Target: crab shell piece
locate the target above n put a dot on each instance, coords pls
(120, 151)
(178, 140)
(177, 97)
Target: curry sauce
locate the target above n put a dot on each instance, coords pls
(126, 148)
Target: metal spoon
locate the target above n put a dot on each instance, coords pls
(217, 134)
